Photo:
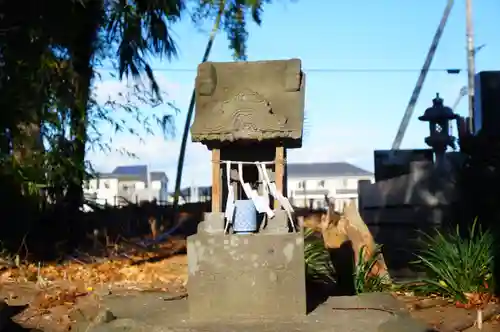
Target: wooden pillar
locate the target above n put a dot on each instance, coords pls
(216, 181)
(279, 172)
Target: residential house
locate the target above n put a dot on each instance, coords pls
(124, 184)
(309, 184)
(193, 194)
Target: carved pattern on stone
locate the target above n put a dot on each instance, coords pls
(248, 115)
(270, 105)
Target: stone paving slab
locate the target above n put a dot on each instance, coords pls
(151, 313)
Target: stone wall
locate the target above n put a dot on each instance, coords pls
(399, 229)
(399, 209)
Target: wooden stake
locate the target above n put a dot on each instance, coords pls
(279, 172)
(480, 319)
(216, 181)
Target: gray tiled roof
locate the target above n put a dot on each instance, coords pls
(134, 172)
(137, 170)
(158, 176)
(322, 170)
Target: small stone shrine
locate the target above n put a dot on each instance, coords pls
(247, 258)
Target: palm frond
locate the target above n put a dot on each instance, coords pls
(236, 15)
(141, 31)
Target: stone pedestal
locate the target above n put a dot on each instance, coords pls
(246, 276)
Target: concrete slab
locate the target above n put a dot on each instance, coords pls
(367, 313)
(246, 276)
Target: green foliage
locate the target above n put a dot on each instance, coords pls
(141, 31)
(50, 116)
(319, 266)
(455, 264)
(364, 282)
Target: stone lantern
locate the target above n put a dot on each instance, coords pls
(439, 117)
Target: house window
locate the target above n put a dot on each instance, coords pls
(301, 184)
(344, 183)
(321, 184)
(106, 184)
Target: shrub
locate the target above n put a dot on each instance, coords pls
(456, 265)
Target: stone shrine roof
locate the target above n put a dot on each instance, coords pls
(249, 101)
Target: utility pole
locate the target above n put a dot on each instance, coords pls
(471, 70)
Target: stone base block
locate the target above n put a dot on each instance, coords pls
(246, 276)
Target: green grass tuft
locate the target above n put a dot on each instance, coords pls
(319, 266)
(455, 264)
(363, 281)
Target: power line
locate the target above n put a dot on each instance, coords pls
(329, 70)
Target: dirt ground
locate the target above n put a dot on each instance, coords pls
(440, 314)
(48, 298)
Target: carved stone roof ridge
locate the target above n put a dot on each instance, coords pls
(256, 101)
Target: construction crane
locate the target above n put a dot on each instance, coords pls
(461, 94)
(421, 78)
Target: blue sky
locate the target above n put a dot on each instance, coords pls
(349, 114)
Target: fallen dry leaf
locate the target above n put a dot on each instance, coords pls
(123, 270)
(64, 284)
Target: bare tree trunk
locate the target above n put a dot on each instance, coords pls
(82, 54)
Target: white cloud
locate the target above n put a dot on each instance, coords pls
(159, 154)
(326, 141)
(329, 144)
(154, 151)
(112, 89)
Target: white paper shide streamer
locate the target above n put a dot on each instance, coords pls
(230, 197)
(261, 202)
